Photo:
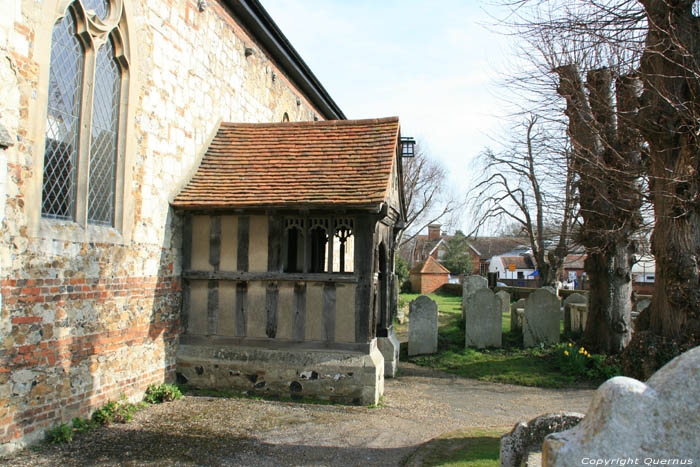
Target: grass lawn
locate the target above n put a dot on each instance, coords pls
(510, 364)
(476, 447)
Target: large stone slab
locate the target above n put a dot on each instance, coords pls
(483, 320)
(517, 314)
(657, 423)
(542, 318)
(471, 284)
(574, 298)
(422, 326)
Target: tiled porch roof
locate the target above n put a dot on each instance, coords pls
(324, 164)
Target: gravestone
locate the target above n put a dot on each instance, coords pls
(517, 314)
(483, 320)
(504, 297)
(653, 422)
(471, 284)
(422, 326)
(573, 298)
(542, 318)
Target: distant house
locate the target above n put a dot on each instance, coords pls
(482, 249)
(512, 267)
(428, 276)
(572, 269)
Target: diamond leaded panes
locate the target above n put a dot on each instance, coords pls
(103, 145)
(62, 121)
(100, 7)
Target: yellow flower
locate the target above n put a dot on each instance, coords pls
(566, 352)
(581, 350)
(570, 344)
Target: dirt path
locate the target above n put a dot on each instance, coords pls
(418, 406)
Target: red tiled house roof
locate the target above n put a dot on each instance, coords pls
(337, 164)
(429, 266)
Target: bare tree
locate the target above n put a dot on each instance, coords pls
(607, 158)
(660, 41)
(428, 197)
(530, 184)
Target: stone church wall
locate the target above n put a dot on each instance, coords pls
(88, 315)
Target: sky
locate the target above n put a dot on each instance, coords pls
(436, 65)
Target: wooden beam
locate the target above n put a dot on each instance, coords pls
(243, 243)
(271, 300)
(269, 276)
(275, 238)
(274, 344)
(328, 313)
(215, 242)
(364, 261)
(299, 317)
(241, 309)
(212, 307)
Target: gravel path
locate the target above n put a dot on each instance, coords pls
(418, 406)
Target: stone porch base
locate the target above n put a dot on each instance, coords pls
(350, 377)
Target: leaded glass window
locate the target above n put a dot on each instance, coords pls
(100, 7)
(103, 145)
(62, 121)
(86, 82)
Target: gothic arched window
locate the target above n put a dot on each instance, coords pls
(85, 113)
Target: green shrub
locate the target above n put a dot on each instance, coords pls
(162, 393)
(103, 415)
(117, 412)
(59, 434)
(82, 425)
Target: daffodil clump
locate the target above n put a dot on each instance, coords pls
(574, 362)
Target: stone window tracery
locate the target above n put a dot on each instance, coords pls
(85, 116)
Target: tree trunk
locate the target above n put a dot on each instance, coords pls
(670, 122)
(607, 160)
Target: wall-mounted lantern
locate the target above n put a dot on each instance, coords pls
(408, 145)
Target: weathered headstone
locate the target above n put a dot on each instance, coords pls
(504, 297)
(483, 321)
(568, 318)
(517, 313)
(652, 422)
(471, 284)
(542, 318)
(526, 437)
(422, 326)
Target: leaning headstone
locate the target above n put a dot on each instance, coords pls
(573, 298)
(504, 297)
(422, 326)
(653, 422)
(550, 288)
(528, 437)
(517, 313)
(542, 318)
(483, 321)
(471, 284)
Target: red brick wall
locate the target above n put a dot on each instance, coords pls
(427, 283)
(58, 364)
